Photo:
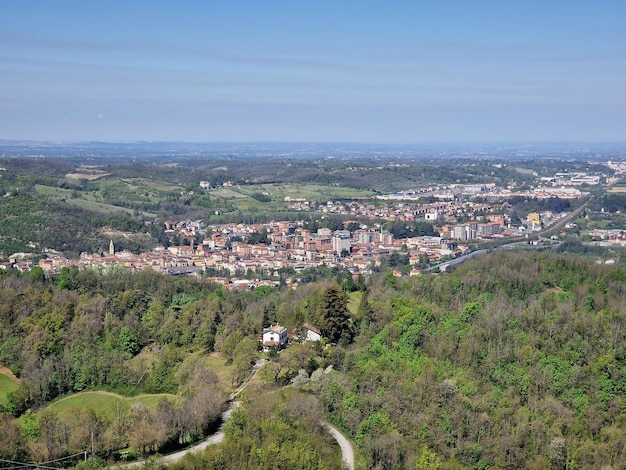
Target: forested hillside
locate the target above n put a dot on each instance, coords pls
(515, 360)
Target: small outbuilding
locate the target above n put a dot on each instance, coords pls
(311, 333)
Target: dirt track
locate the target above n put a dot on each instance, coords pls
(6, 371)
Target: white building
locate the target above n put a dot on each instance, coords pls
(341, 241)
(275, 335)
(312, 333)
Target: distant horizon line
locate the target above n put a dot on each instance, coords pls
(312, 142)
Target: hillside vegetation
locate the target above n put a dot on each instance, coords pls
(515, 360)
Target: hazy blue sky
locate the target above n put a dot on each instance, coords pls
(351, 71)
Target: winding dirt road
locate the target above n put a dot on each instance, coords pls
(6, 371)
(346, 448)
(347, 452)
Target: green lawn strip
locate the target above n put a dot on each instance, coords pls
(354, 300)
(52, 191)
(155, 185)
(7, 384)
(309, 192)
(278, 192)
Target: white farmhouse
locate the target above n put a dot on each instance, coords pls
(275, 335)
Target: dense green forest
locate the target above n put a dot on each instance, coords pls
(514, 360)
(511, 362)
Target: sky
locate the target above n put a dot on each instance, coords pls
(411, 71)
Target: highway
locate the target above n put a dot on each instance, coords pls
(523, 240)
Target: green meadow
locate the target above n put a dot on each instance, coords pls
(7, 384)
(107, 404)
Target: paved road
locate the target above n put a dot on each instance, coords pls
(346, 448)
(511, 242)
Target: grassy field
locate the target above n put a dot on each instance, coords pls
(154, 185)
(84, 201)
(106, 403)
(354, 300)
(86, 176)
(7, 384)
(241, 197)
(310, 192)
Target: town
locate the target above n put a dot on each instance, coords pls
(416, 229)
(252, 254)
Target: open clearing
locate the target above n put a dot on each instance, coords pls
(310, 192)
(242, 197)
(86, 176)
(109, 403)
(66, 196)
(354, 300)
(158, 185)
(7, 384)
(105, 402)
(278, 192)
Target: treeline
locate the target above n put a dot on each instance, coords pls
(135, 334)
(512, 361)
(524, 205)
(283, 430)
(78, 329)
(612, 202)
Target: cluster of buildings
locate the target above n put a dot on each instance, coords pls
(451, 202)
(289, 245)
(278, 336)
(609, 237)
(554, 187)
(572, 179)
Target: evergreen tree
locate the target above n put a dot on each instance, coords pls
(334, 318)
(269, 315)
